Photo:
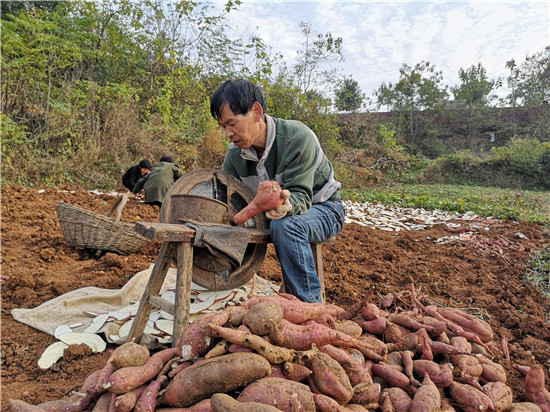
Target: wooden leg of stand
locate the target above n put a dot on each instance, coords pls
(183, 289)
(153, 287)
(317, 250)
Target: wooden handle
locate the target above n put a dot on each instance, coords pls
(118, 205)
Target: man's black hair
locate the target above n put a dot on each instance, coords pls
(240, 95)
(167, 158)
(145, 164)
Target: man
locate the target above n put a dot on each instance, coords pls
(136, 172)
(264, 148)
(156, 184)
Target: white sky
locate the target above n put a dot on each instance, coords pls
(380, 36)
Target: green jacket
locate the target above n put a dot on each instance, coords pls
(158, 181)
(294, 158)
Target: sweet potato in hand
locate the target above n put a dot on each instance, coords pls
(268, 197)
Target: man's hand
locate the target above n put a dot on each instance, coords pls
(282, 210)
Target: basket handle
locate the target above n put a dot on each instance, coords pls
(118, 205)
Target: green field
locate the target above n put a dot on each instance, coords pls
(523, 206)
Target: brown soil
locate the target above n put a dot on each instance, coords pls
(485, 272)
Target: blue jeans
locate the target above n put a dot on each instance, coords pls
(292, 236)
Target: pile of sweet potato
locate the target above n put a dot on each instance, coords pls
(278, 353)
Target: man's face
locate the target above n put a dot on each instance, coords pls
(242, 129)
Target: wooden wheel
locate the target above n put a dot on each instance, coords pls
(231, 191)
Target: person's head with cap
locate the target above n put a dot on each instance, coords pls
(167, 158)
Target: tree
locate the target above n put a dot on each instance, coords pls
(349, 96)
(533, 78)
(418, 88)
(475, 87)
(512, 81)
(14, 7)
(319, 52)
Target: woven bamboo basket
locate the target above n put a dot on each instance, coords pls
(97, 232)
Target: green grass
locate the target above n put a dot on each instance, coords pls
(523, 206)
(539, 272)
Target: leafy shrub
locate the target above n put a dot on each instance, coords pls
(523, 163)
(353, 177)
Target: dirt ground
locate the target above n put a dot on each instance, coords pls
(484, 273)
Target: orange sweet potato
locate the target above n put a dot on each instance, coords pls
(395, 399)
(535, 390)
(295, 371)
(16, 405)
(220, 374)
(129, 354)
(325, 403)
(102, 404)
(440, 374)
(285, 394)
(348, 327)
(268, 197)
(263, 317)
(370, 312)
(330, 378)
(501, 395)
(427, 397)
(524, 407)
(274, 354)
(470, 399)
(468, 322)
(446, 406)
(126, 401)
(126, 379)
(77, 402)
(196, 340)
(221, 402)
(203, 406)
(147, 400)
(301, 337)
(102, 381)
(294, 310)
(353, 407)
(492, 371)
(366, 394)
(356, 372)
(393, 377)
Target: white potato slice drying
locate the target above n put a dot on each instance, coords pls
(51, 355)
(61, 329)
(124, 330)
(169, 296)
(97, 323)
(194, 286)
(200, 306)
(96, 343)
(166, 326)
(166, 315)
(218, 295)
